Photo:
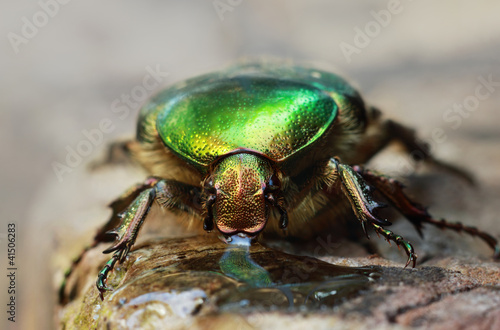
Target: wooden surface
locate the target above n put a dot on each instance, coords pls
(66, 78)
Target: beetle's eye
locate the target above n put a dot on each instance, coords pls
(274, 181)
(209, 188)
(273, 184)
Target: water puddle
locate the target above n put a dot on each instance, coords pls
(237, 277)
(287, 281)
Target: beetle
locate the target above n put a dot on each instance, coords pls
(266, 147)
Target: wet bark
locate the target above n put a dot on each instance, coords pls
(202, 283)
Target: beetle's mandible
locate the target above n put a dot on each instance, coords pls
(266, 148)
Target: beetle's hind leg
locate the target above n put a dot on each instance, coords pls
(380, 133)
(116, 153)
(358, 192)
(416, 213)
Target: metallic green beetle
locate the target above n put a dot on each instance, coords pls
(265, 148)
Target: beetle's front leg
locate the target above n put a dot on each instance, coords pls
(170, 194)
(358, 192)
(117, 206)
(132, 220)
(416, 213)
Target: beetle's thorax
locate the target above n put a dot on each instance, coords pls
(240, 205)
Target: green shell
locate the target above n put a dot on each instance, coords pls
(274, 110)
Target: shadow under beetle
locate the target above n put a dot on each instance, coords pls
(265, 147)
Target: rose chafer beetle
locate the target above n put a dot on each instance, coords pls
(266, 147)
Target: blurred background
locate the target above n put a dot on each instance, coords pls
(74, 74)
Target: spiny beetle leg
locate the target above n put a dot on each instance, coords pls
(416, 213)
(132, 220)
(359, 194)
(473, 231)
(399, 240)
(393, 191)
(102, 235)
(169, 193)
(122, 203)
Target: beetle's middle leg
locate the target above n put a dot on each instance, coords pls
(358, 192)
(170, 194)
(416, 213)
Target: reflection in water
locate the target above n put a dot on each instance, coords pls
(287, 283)
(236, 263)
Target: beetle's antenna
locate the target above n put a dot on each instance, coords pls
(284, 216)
(283, 213)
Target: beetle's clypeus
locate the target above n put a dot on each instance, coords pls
(265, 147)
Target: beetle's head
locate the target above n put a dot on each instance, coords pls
(240, 191)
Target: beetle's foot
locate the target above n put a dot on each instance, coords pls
(399, 240)
(103, 274)
(496, 255)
